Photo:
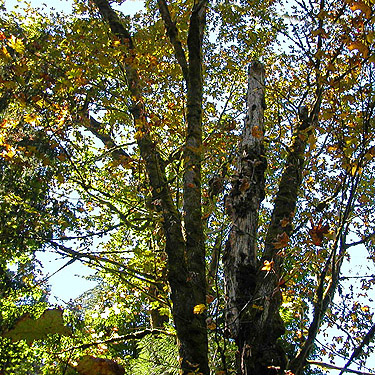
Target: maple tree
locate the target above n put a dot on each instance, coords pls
(213, 161)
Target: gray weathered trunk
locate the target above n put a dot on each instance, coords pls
(240, 261)
(252, 291)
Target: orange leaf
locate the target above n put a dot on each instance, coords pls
(256, 132)
(209, 298)
(359, 46)
(88, 365)
(284, 222)
(317, 232)
(360, 5)
(245, 185)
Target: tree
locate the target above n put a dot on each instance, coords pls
(143, 118)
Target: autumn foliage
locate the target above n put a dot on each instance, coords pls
(213, 162)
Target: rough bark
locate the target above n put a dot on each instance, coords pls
(253, 293)
(243, 205)
(259, 338)
(195, 245)
(186, 257)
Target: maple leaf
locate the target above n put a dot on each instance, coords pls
(31, 118)
(317, 232)
(17, 44)
(30, 329)
(211, 325)
(284, 222)
(245, 185)
(281, 241)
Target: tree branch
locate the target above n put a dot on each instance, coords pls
(333, 367)
(172, 33)
(96, 128)
(130, 336)
(358, 350)
(95, 259)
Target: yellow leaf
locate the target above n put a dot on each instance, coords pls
(31, 118)
(17, 45)
(138, 134)
(310, 180)
(355, 169)
(312, 141)
(9, 153)
(199, 309)
(268, 266)
(4, 54)
(332, 148)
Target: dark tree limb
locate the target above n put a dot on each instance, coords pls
(333, 367)
(196, 353)
(186, 260)
(358, 350)
(96, 128)
(325, 293)
(172, 33)
(130, 336)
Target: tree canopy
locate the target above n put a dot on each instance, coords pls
(213, 161)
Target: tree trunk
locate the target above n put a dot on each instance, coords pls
(242, 204)
(252, 285)
(186, 252)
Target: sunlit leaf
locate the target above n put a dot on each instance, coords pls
(29, 329)
(89, 365)
(199, 309)
(268, 265)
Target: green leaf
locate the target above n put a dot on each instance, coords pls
(29, 329)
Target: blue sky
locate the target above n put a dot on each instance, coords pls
(128, 7)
